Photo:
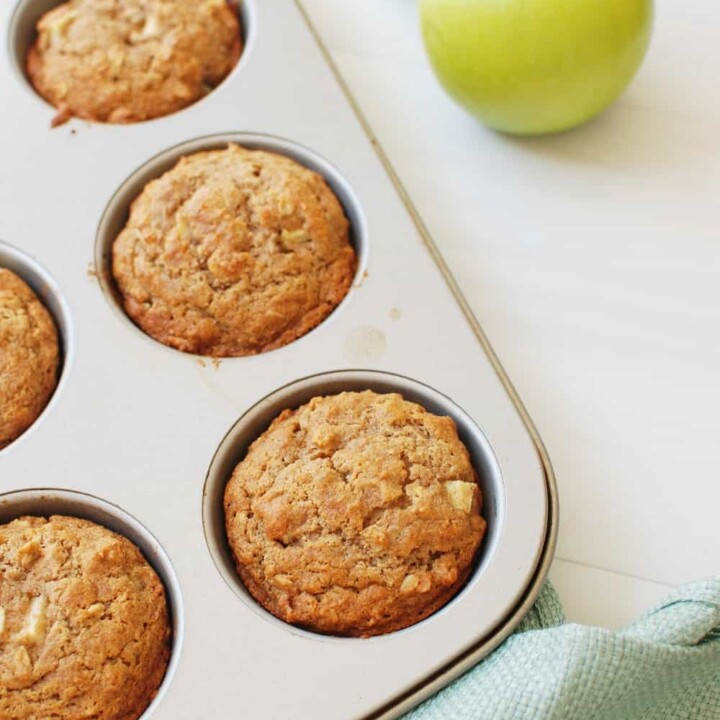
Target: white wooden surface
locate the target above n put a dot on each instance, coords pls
(592, 260)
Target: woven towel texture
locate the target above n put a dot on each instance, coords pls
(664, 666)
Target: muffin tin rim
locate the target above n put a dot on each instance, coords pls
(351, 379)
(119, 203)
(129, 527)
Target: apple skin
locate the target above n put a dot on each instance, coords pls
(530, 67)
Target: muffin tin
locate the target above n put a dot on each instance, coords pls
(142, 427)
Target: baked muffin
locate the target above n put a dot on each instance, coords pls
(122, 61)
(29, 357)
(84, 630)
(233, 252)
(357, 514)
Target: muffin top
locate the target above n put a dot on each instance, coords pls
(29, 356)
(356, 514)
(121, 61)
(233, 252)
(84, 628)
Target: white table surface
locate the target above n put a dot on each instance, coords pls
(592, 260)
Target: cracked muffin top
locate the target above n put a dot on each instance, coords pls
(233, 252)
(122, 61)
(84, 629)
(29, 357)
(356, 514)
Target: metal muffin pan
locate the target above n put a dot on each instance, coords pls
(142, 425)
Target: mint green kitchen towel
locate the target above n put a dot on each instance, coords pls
(664, 666)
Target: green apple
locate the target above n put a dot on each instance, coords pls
(536, 66)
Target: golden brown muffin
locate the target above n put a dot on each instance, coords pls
(29, 357)
(122, 61)
(357, 514)
(84, 630)
(233, 252)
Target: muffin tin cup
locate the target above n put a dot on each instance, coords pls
(258, 418)
(117, 211)
(22, 33)
(139, 423)
(47, 290)
(44, 502)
